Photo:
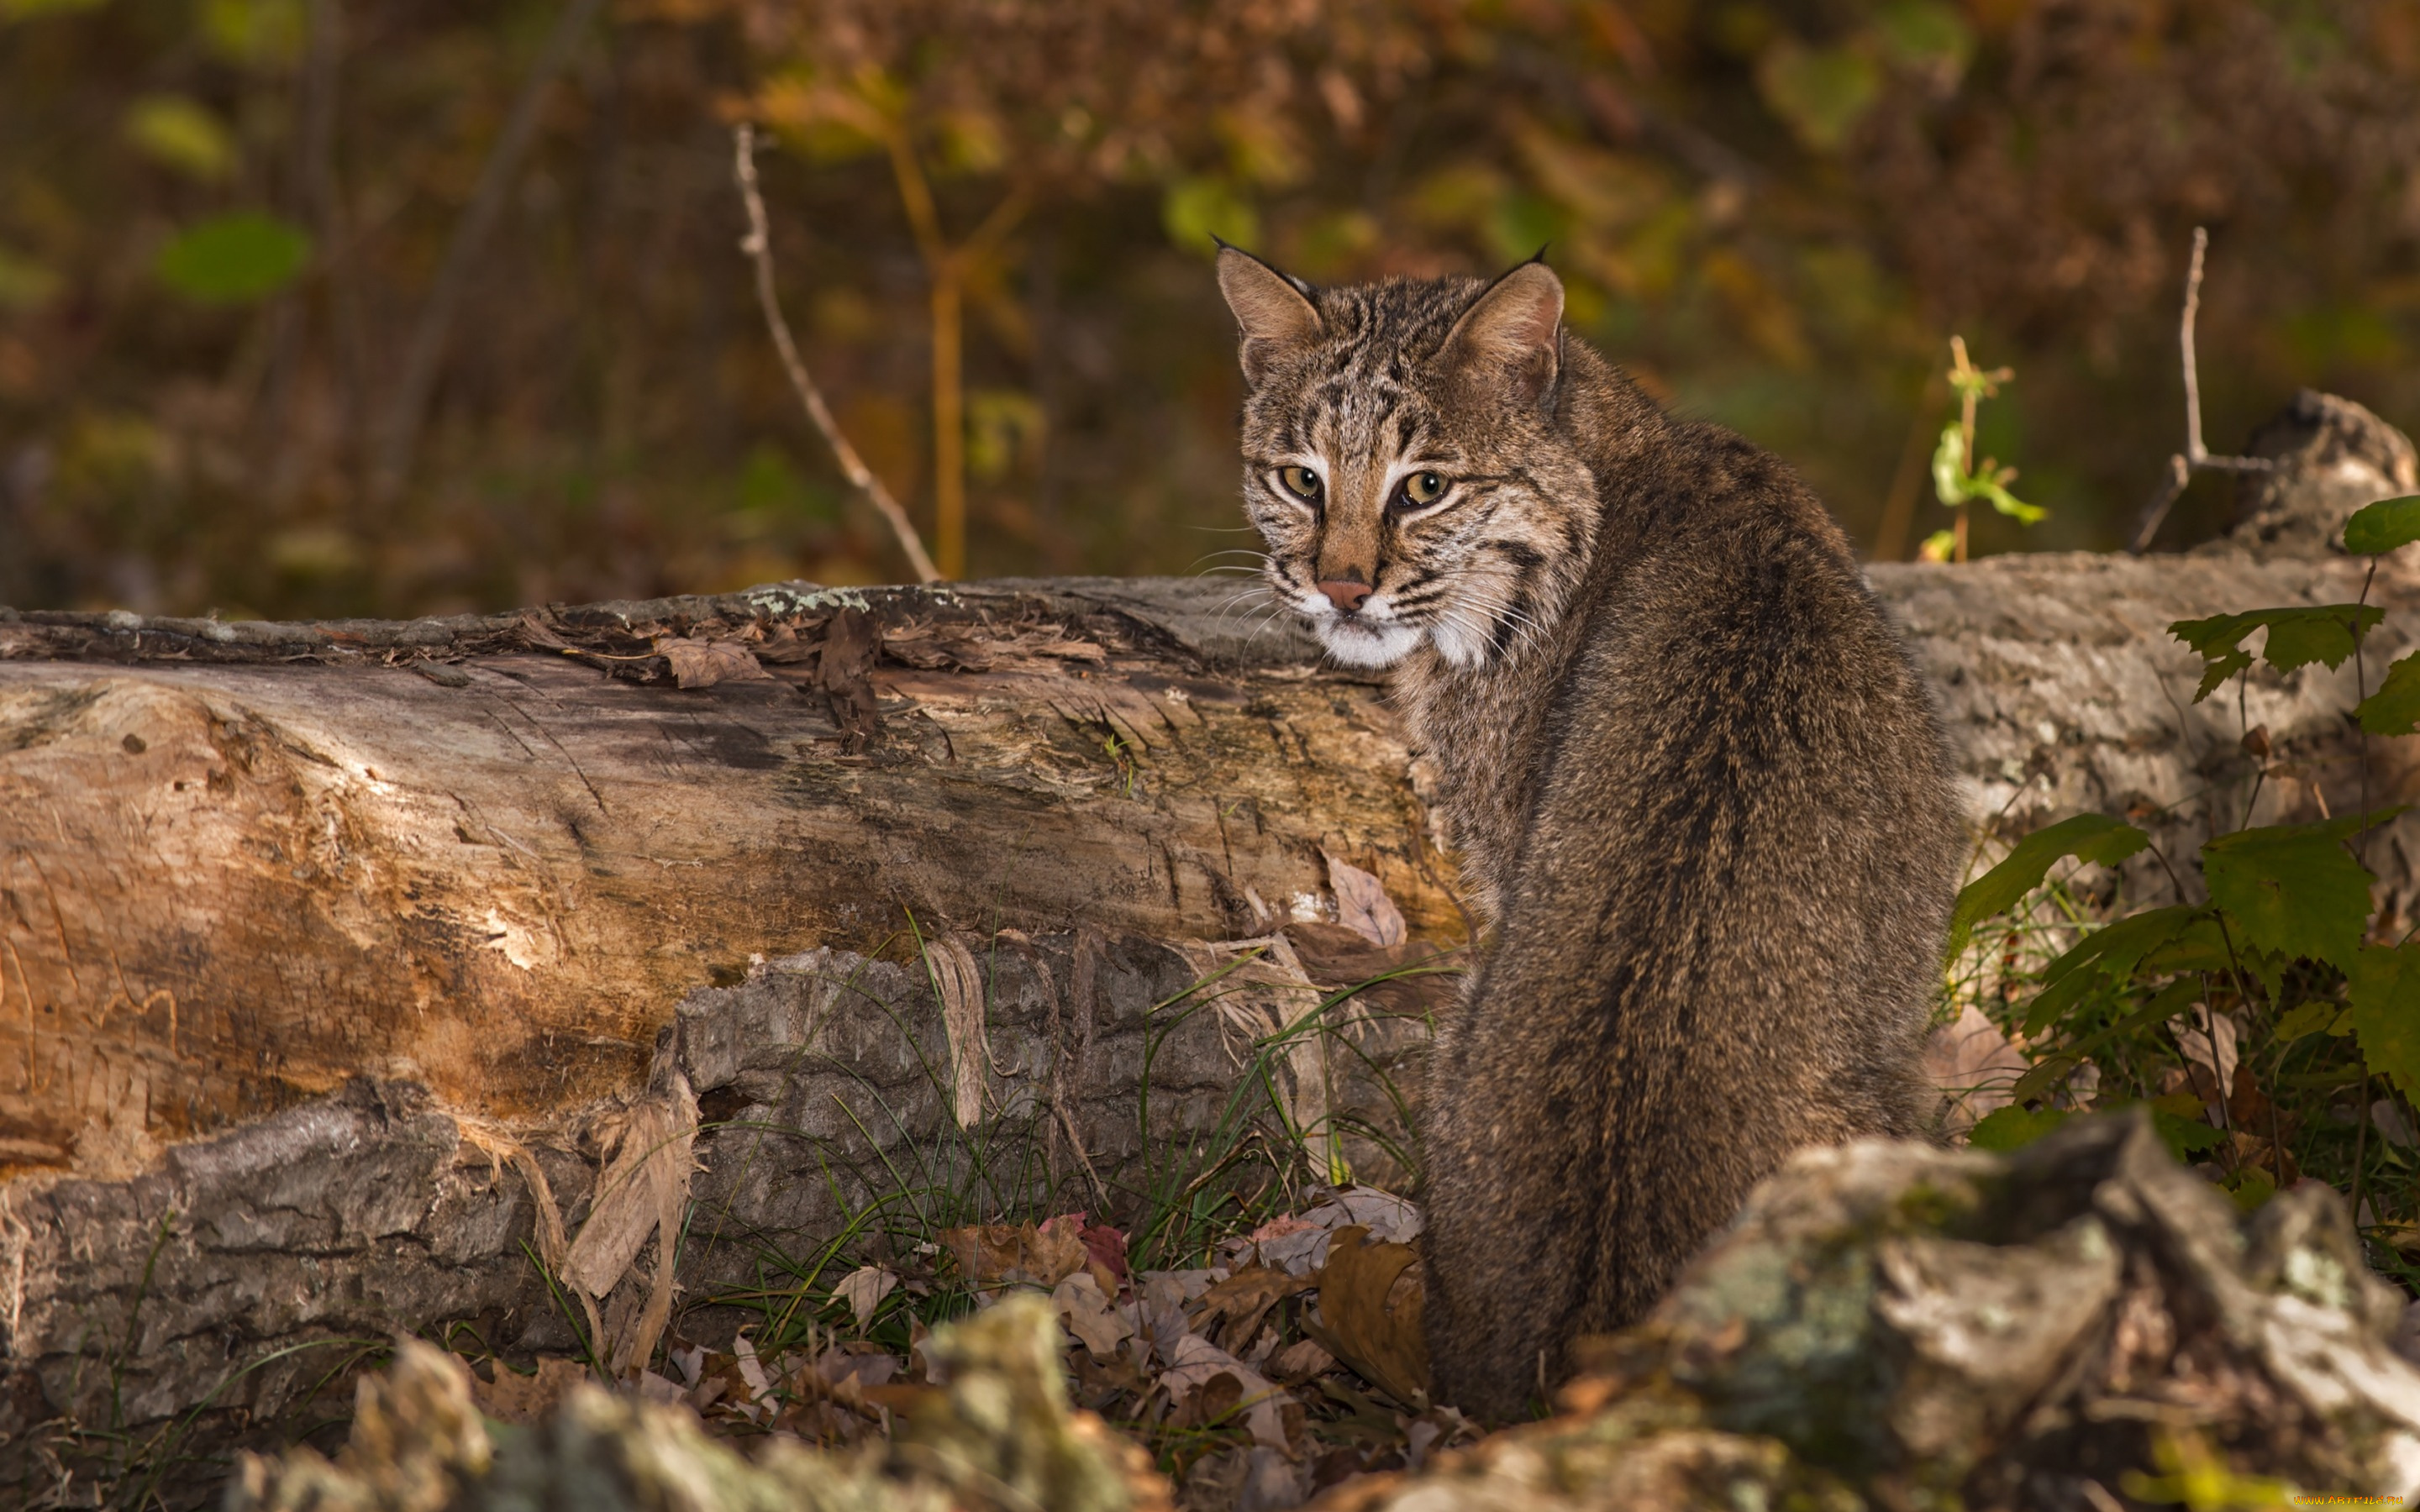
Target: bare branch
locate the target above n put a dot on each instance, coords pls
(2194, 451)
(2196, 457)
(399, 439)
(2179, 473)
(759, 247)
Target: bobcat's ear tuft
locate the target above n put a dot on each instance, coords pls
(1275, 312)
(1513, 332)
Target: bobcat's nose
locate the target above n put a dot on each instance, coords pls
(1346, 597)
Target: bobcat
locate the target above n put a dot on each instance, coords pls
(1701, 792)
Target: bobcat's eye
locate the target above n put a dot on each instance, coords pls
(1301, 482)
(1421, 489)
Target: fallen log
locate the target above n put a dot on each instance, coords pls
(339, 960)
(246, 863)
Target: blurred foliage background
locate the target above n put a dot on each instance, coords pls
(320, 307)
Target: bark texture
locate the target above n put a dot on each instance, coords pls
(244, 864)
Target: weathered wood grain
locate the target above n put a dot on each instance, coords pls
(228, 884)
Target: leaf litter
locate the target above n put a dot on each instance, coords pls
(1291, 1363)
(1288, 1360)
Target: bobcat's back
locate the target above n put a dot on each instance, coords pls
(1698, 785)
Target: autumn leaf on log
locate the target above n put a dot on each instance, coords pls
(1362, 904)
(704, 663)
(781, 647)
(851, 644)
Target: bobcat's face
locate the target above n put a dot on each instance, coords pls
(1400, 460)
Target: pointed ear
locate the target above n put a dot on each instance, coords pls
(1273, 312)
(1513, 332)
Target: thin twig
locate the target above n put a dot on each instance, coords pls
(399, 438)
(2196, 457)
(2194, 451)
(2360, 692)
(1898, 504)
(2360, 1145)
(759, 247)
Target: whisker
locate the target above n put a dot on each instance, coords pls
(1248, 598)
(1481, 625)
(1255, 556)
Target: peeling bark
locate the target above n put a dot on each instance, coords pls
(235, 873)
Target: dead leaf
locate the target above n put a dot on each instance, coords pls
(1105, 1249)
(538, 636)
(1210, 1402)
(1244, 1299)
(704, 663)
(1433, 1429)
(867, 1364)
(1003, 1254)
(863, 1290)
(2247, 1106)
(1158, 1311)
(1390, 1219)
(1974, 1065)
(1298, 1243)
(1300, 1361)
(1107, 1246)
(1194, 1363)
(656, 1388)
(1370, 1298)
(1089, 1316)
(758, 1381)
(2207, 1041)
(1362, 904)
(514, 1397)
(847, 1376)
(1419, 979)
(851, 644)
(1294, 1246)
(642, 1191)
(2391, 1124)
(782, 648)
